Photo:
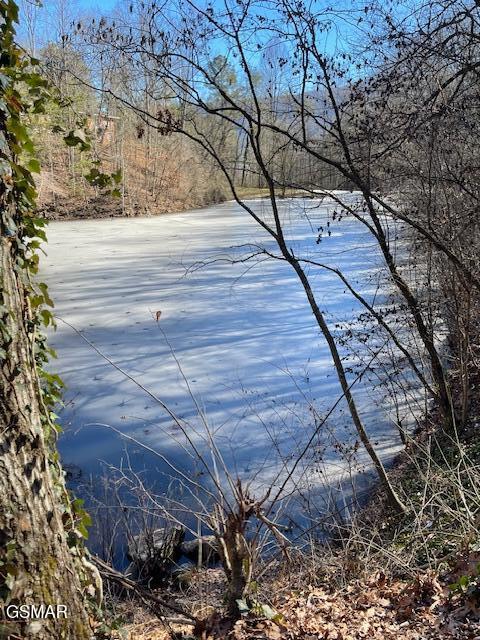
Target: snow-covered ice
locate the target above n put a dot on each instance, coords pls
(242, 333)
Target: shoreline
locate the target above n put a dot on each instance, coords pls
(262, 194)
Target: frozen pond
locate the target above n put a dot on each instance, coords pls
(242, 333)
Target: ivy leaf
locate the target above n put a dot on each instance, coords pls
(44, 289)
(11, 11)
(77, 505)
(46, 317)
(39, 105)
(28, 147)
(33, 165)
(97, 178)
(35, 80)
(17, 129)
(82, 529)
(77, 138)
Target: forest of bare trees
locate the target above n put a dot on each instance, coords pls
(369, 109)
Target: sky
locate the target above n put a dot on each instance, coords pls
(105, 5)
(45, 17)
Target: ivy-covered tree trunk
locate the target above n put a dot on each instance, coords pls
(41, 562)
(39, 567)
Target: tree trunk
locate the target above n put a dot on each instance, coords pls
(236, 561)
(444, 397)
(392, 496)
(41, 568)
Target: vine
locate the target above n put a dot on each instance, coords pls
(24, 94)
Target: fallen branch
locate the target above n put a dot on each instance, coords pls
(109, 573)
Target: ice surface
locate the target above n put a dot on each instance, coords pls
(243, 334)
